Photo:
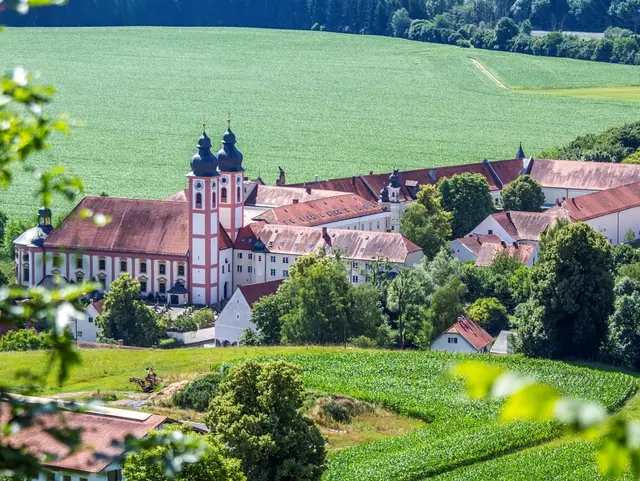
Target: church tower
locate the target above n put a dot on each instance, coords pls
(231, 196)
(203, 223)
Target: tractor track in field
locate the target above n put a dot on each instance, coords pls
(489, 74)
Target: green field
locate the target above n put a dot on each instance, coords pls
(314, 103)
(461, 434)
(621, 93)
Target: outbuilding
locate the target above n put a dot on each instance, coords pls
(464, 336)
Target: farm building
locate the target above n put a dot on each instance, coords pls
(100, 427)
(613, 212)
(198, 247)
(464, 336)
(236, 315)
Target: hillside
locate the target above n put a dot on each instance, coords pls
(314, 103)
(460, 431)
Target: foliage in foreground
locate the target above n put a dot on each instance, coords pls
(214, 463)
(525, 399)
(257, 415)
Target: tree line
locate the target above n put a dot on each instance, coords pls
(492, 24)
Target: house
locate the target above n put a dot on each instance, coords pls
(85, 329)
(100, 427)
(236, 315)
(467, 248)
(345, 211)
(560, 180)
(613, 212)
(464, 336)
(518, 234)
(503, 343)
(198, 246)
(522, 252)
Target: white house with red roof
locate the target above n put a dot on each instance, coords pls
(197, 247)
(464, 336)
(236, 315)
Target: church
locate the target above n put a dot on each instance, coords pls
(221, 232)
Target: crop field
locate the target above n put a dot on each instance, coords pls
(314, 103)
(461, 434)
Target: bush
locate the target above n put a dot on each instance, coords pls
(199, 392)
(204, 318)
(336, 412)
(24, 340)
(363, 342)
(169, 343)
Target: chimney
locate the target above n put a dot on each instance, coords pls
(508, 214)
(371, 172)
(295, 201)
(307, 187)
(503, 244)
(326, 236)
(282, 180)
(515, 245)
(353, 180)
(315, 177)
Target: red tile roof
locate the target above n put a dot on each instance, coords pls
(322, 211)
(352, 244)
(355, 185)
(571, 174)
(98, 305)
(526, 225)
(474, 242)
(98, 433)
(254, 292)
(137, 226)
(489, 251)
(224, 241)
(604, 202)
(276, 196)
(180, 196)
(472, 332)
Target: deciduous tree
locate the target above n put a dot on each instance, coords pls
(126, 317)
(266, 314)
(490, 314)
(469, 200)
(524, 194)
(572, 294)
(257, 415)
(426, 223)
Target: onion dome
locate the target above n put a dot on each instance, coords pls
(44, 220)
(520, 153)
(204, 163)
(229, 157)
(394, 179)
(384, 195)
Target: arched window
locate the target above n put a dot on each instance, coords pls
(223, 194)
(198, 200)
(213, 199)
(238, 194)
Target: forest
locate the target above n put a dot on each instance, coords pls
(353, 16)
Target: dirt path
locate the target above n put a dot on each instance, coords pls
(489, 74)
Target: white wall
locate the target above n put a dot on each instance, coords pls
(490, 226)
(442, 344)
(193, 337)
(87, 330)
(461, 252)
(234, 318)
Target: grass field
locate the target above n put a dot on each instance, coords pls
(460, 434)
(315, 103)
(621, 93)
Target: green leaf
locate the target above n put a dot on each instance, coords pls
(535, 402)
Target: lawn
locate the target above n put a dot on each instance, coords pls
(459, 432)
(314, 103)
